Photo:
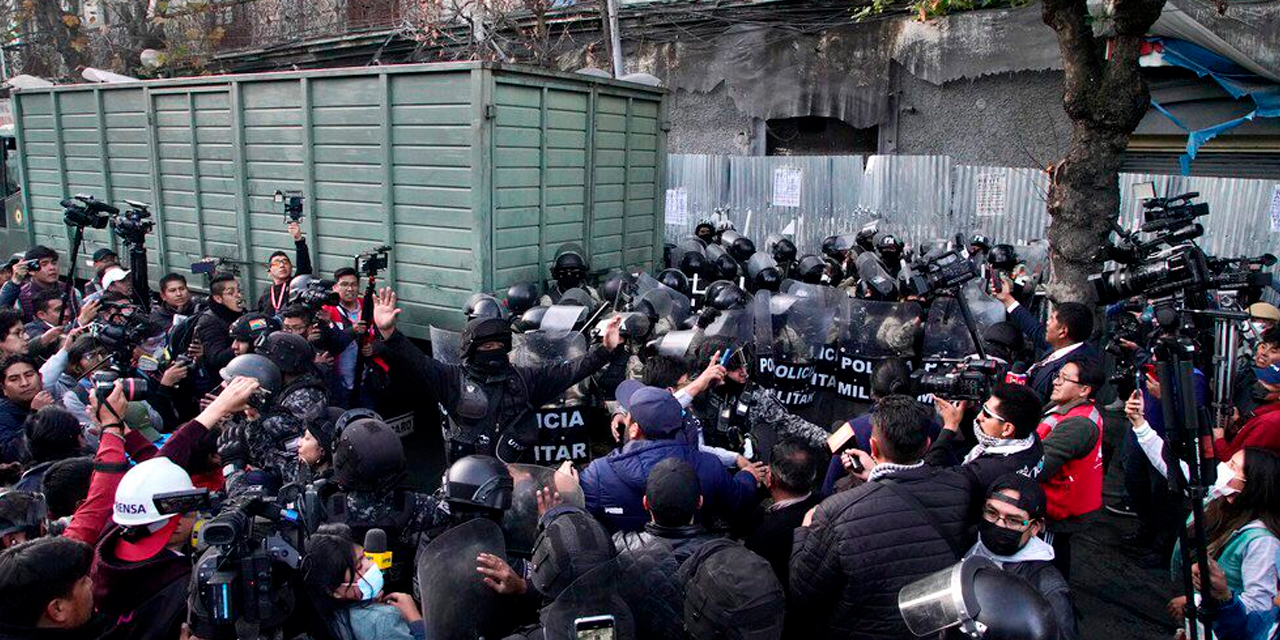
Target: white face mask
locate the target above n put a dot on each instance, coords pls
(1225, 474)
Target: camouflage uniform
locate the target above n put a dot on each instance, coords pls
(265, 439)
(410, 519)
(764, 411)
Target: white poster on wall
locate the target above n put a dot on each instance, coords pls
(786, 186)
(1275, 209)
(677, 211)
(991, 189)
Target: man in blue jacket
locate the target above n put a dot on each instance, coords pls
(1063, 339)
(614, 485)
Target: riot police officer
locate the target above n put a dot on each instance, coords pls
(569, 271)
(490, 402)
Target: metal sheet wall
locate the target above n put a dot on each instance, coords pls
(921, 198)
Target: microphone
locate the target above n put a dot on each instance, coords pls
(375, 548)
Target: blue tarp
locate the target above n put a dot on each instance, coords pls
(1233, 78)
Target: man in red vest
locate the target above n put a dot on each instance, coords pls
(1071, 431)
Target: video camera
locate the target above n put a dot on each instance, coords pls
(933, 275)
(314, 295)
(967, 380)
(134, 224)
(369, 263)
(86, 211)
(243, 578)
(292, 201)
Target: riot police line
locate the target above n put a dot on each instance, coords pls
(504, 546)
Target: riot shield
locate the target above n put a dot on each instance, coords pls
(680, 305)
(456, 603)
(563, 317)
(591, 595)
(870, 331)
(946, 335)
(446, 346)
(791, 344)
(1035, 255)
(520, 522)
(824, 295)
(675, 343)
(541, 348)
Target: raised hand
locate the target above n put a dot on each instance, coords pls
(385, 313)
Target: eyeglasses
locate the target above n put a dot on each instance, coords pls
(991, 414)
(990, 514)
(1062, 378)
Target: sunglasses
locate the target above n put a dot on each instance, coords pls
(991, 414)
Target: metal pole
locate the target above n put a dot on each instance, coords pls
(615, 40)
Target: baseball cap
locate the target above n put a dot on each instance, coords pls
(1269, 375)
(1264, 311)
(100, 255)
(656, 411)
(1031, 497)
(113, 275)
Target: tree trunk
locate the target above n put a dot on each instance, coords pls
(1105, 98)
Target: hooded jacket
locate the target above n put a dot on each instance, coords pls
(1034, 563)
(143, 600)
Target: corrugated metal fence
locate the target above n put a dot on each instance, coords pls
(922, 198)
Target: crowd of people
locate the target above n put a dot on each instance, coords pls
(710, 508)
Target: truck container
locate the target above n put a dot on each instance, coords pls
(474, 173)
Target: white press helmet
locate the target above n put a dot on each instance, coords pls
(135, 496)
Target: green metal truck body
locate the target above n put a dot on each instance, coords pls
(474, 173)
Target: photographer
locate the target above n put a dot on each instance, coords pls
(226, 303)
(1005, 430)
(1071, 431)
(13, 335)
(1245, 392)
(141, 574)
(45, 331)
(175, 300)
(102, 260)
(281, 272)
(42, 263)
(327, 341)
(1060, 341)
(346, 316)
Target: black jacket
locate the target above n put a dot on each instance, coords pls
(984, 469)
(1041, 374)
(774, 531)
(1049, 582)
(512, 403)
(866, 543)
(213, 328)
(683, 541)
(281, 292)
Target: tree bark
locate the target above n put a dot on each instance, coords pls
(1105, 97)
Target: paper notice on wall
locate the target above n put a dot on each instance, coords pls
(1275, 209)
(991, 189)
(786, 186)
(677, 211)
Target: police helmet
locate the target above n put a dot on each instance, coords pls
(482, 330)
(530, 320)
(980, 241)
(1002, 256)
(258, 367)
(829, 244)
(292, 353)
(742, 248)
(889, 244)
(618, 284)
(479, 482)
(810, 269)
(767, 279)
(568, 546)
(728, 237)
(578, 297)
(22, 512)
(784, 251)
(674, 279)
(250, 327)
(569, 266)
(521, 297)
(866, 238)
(725, 295)
(368, 456)
(692, 263)
(726, 268)
(483, 305)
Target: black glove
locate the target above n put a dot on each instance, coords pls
(707, 316)
(232, 445)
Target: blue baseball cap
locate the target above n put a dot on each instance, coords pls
(1269, 375)
(656, 411)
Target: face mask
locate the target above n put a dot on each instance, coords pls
(982, 437)
(1258, 327)
(489, 362)
(730, 387)
(568, 281)
(1220, 487)
(370, 583)
(999, 540)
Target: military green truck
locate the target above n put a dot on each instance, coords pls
(474, 173)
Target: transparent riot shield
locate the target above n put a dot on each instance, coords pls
(870, 331)
(446, 346)
(791, 334)
(520, 522)
(946, 336)
(593, 595)
(676, 343)
(681, 307)
(456, 603)
(541, 348)
(564, 317)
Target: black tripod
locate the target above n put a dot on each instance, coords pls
(1189, 440)
(69, 294)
